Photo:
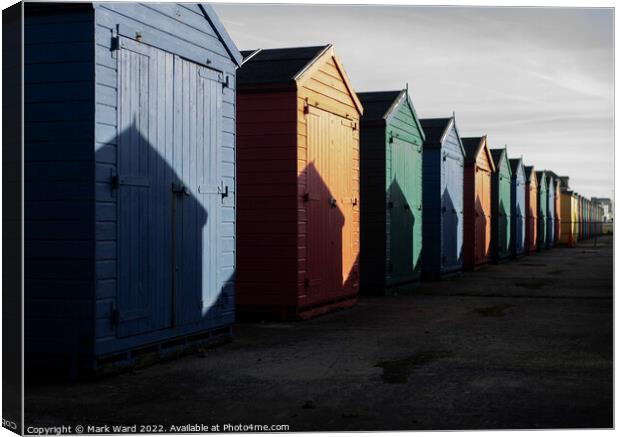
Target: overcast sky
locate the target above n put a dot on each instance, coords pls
(538, 80)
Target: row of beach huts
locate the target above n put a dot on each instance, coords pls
(174, 184)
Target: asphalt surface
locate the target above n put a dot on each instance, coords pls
(525, 344)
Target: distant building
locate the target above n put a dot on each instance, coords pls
(607, 205)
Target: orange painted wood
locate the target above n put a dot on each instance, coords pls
(531, 208)
(477, 208)
(303, 261)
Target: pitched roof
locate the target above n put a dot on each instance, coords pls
(383, 103)
(219, 28)
(377, 104)
(540, 175)
(497, 155)
(435, 129)
(272, 66)
(472, 146)
(529, 172)
(514, 164)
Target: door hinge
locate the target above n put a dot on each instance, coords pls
(223, 190)
(225, 82)
(115, 43)
(115, 315)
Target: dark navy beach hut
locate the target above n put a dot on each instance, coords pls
(517, 207)
(130, 181)
(442, 196)
(391, 139)
(500, 206)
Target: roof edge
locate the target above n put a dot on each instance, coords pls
(329, 49)
(219, 28)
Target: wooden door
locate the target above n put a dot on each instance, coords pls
(169, 190)
(145, 79)
(402, 203)
(331, 200)
(196, 191)
(451, 211)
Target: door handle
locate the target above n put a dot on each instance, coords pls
(223, 191)
(180, 189)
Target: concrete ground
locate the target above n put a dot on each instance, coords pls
(526, 344)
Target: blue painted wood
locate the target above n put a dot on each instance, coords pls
(517, 206)
(442, 198)
(112, 123)
(59, 196)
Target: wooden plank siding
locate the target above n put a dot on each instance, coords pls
(58, 187)
(267, 147)
(373, 226)
(181, 29)
(406, 181)
(279, 116)
(312, 91)
(477, 208)
(443, 204)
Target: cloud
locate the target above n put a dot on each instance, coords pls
(537, 79)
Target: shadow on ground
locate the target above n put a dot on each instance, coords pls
(526, 344)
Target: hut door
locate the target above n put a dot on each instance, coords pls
(143, 231)
(480, 224)
(450, 211)
(330, 200)
(401, 209)
(169, 189)
(197, 192)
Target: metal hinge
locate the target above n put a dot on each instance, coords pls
(115, 43)
(115, 315)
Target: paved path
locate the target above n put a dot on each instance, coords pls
(526, 344)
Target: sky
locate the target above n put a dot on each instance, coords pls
(538, 80)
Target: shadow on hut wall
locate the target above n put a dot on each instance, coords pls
(517, 224)
(483, 244)
(403, 265)
(169, 246)
(331, 256)
(452, 256)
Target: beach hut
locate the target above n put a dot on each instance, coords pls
(582, 221)
(298, 123)
(130, 182)
(477, 175)
(443, 164)
(558, 210)
(543, 200)
(391, 140)
(531, 210)
(517, 207)
(500, 206)
(568, 235)
(589, 225)
(550, 209)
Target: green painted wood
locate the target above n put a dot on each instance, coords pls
(504, 179)
(404, 142)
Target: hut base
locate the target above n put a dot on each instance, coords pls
(134, 359)
(438, 276)
(284, 313)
